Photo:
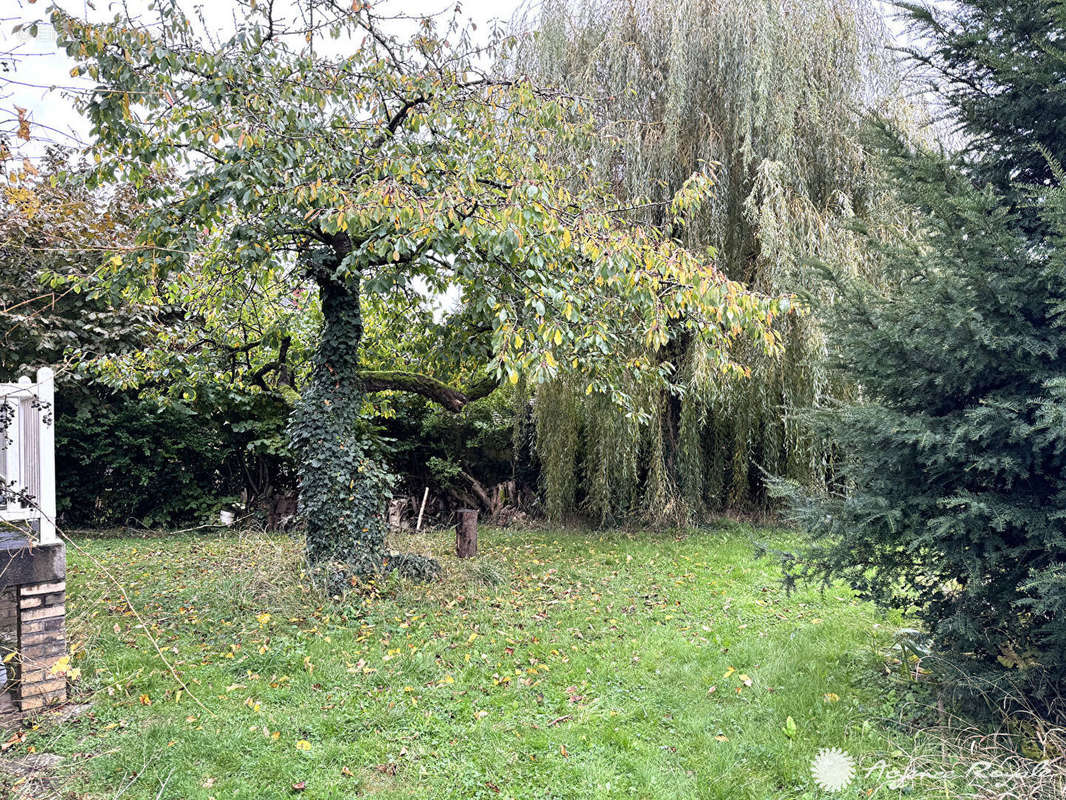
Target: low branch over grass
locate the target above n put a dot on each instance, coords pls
(449, 397)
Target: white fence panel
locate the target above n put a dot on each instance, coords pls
(27, 457)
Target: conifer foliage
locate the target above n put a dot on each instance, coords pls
(955, 457)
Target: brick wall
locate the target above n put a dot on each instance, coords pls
(8, 614)
(42, 642)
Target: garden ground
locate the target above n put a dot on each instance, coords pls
(561, 664)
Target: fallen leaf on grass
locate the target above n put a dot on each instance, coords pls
(790, 728)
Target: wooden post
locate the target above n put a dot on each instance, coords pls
(466, 533)
(425, 496)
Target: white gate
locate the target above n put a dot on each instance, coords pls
(27, 455)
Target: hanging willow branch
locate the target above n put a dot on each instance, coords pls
(767, 100)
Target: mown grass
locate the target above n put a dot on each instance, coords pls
(558, 664)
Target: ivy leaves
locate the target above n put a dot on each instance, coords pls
(396, 168)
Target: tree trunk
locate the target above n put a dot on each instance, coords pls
(342, 489)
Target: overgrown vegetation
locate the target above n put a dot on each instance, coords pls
(165, 451)
(625, 264)
(770, 99)
(397, 167)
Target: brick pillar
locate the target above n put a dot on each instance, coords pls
(9, 617)
(42, 640)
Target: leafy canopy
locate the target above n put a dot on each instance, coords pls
(436, 176)
(771, 97)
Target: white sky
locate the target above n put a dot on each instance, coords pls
(41, 71)
(37, 79)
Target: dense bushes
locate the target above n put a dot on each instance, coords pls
(123, 460)
(130, 460)
(459, 457)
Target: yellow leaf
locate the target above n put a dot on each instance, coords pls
(62, 665)
(303, 744)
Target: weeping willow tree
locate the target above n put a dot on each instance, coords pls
(768, 99)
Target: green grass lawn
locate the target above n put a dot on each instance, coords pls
(558, 664)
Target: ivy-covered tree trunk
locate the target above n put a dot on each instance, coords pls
(343, 490)
(443, 175)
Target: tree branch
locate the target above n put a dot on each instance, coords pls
(448, 397)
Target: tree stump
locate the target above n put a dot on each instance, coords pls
(466, 533)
